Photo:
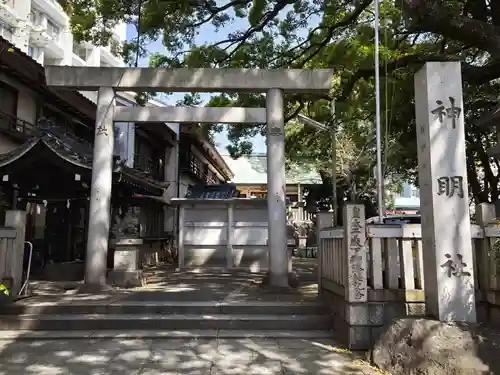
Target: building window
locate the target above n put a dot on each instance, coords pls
(80, 51)
(36, 18)
(5, 31)
(8, 104)
(211, 177)
(31, 51)
(196, 167)
(53, 30)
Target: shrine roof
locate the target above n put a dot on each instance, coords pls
(252, 169)
(222, 191)
(68, 148)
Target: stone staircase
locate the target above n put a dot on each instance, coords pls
(210, 303)
(167, 319)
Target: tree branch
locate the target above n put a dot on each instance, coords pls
(264, 21)
(471, 74)
(391, 66)
(216, 10)
(431, 16)
(345, 22)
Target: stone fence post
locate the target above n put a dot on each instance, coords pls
(488, 259)
(16, 219)
(355, 253)
(323, 220)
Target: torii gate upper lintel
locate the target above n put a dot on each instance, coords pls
(108, 80)
(189, 80)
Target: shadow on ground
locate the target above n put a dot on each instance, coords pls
(89, 353)
(176, 356)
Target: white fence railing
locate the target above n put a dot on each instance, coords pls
(299, 214)
(395, 253)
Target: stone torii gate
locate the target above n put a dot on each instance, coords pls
(108, 80)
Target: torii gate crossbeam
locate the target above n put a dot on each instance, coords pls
(108, 80)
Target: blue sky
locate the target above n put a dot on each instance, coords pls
(207, 35)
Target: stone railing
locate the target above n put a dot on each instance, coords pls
(386, 280)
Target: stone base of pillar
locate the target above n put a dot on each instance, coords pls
(125, 278)
(293, 282)
(126, 272)
(93, 289)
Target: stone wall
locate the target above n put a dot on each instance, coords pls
(359, 324)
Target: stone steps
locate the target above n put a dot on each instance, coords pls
(165, 308)
(163, 334)
(171, 316)
(164, 322)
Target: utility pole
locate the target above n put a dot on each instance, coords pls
(332, 130)
(380, 176)
(333, 134)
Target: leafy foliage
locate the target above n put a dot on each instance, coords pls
(337, 34)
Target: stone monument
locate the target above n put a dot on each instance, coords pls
(355, 253)
(127, 244)
(446, 228)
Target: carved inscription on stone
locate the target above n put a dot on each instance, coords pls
(355, 249)
(452, 112)
(450, 186)
(101, 130)
(275, 130)
(126, 260)
(453, 268)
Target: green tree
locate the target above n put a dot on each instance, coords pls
(337, 34)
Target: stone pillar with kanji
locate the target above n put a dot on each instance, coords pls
(444, 198)
(355, 253)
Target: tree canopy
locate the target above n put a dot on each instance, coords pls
(337, 34)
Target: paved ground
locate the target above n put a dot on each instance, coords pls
(165, 284)
(177, 356)
(221, 356)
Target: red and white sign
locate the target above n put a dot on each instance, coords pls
(402, 212)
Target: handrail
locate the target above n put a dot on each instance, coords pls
(24, 288)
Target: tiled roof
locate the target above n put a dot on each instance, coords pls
(75, 151)
(13, 49)
(252, 169)
(223, 191)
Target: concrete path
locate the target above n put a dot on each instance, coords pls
(177, 356)
(212, 353)
(167, 284)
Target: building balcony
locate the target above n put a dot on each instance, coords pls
(39, 36)
(110, 58)
(77, 60)
(8, 13)
(189, 163)
(53, 10)
(54, 49)
(148, 166)
(15, 127)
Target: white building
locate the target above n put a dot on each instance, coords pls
(41, 29)
(408, 199)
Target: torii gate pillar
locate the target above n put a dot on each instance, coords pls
(276, 188)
